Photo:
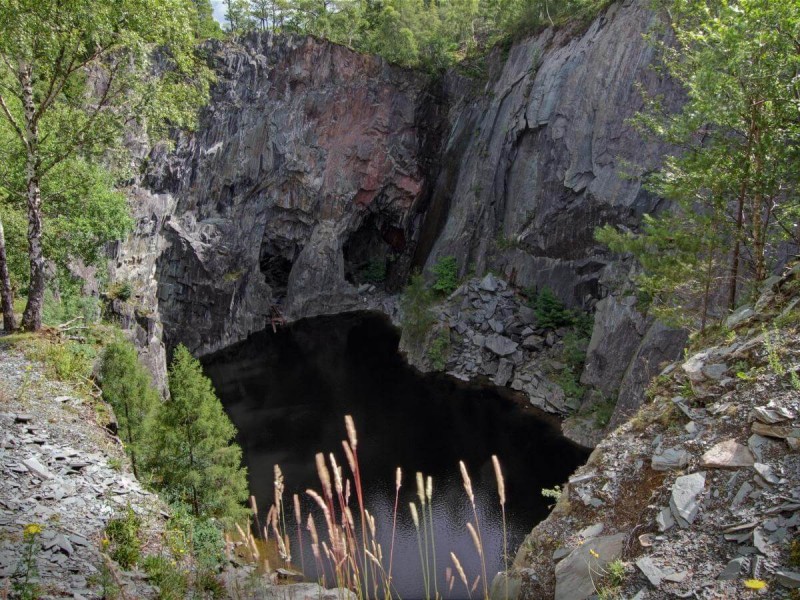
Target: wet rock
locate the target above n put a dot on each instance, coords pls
(684, 499)
(727, 454)
(575, 574)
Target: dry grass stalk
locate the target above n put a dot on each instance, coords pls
(460, 571)
(351, 431)
(467, 481)
(324, 475)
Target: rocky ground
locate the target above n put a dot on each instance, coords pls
(66, 474)
(493, 333)
(697, 496)
(63, 471)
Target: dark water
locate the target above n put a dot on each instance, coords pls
(288, 393)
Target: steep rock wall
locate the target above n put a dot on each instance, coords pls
(307, 153)
(312, 160)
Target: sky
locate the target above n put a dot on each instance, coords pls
(219, 10)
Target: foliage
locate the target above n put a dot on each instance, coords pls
(446, 273)
(733, 179)
(554, 493)
(439, 350)
(603, 411)
(120, 290)
(23, 580)
(551, 313)
(375, 271)
(122, 534)
(172, 582)
(193, 457)
(127, 387)
(417, 317)
(569, 381)
(69, 360)
(72, 305)
(411, 32)
(73, 77)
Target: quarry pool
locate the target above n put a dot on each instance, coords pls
(288, 393)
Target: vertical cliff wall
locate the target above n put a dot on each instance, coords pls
(313, 162)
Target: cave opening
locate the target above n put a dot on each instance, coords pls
(371, 252)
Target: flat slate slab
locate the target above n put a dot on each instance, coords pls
(683, 501)
(575, 575)
(729, 454)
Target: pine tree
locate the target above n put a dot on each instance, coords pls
(192, 452)
(128, 389)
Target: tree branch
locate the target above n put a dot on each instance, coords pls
(10, 118)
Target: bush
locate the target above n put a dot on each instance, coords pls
(171, 581)
(446, 272)
(193, 456)
(70, 361)
(120, 290)
(439, 350)
(417, 317)
(375, 271)
(123, 538)
(128, 389)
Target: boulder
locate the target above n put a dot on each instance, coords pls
(489, 283)
(671, 458)
(505, 370)
(501, 345)
(727, 455)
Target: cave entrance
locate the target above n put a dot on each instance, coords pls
(276, 269)
(370, 252)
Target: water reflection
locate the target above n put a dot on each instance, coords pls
(288, 393)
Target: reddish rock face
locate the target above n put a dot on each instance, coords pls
(304, 146)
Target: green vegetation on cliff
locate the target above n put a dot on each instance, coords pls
(414, 33)
(733, 178)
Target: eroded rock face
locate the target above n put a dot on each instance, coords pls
(312, 160)
(308, 159)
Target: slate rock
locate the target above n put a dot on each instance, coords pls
(789, 579)
(664, 519)
(576, 573)
(501, 345)
(489, 283)
(671, 458)
(651, 571)
(683, 501)
(732, 569)
(505, 370)
(727, 454)
(37, 468)
(715, 371)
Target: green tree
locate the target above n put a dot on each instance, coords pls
(192, 452)
(73, 75)
(127, 387)
(237, 15)
(733, 180)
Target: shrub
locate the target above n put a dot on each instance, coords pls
(417, 317)
(550, 311)
(439, 350)
(375, 271)
(171, 581)
(70, 361)
(446, 272)
(120, 290)
(123, 538)
(128, 389)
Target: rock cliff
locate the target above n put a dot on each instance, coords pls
(313, 164)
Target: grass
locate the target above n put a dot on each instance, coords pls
(122, 535)
(344, 545)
